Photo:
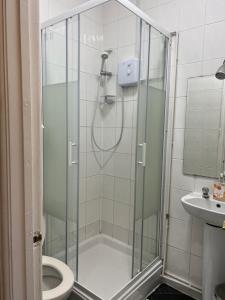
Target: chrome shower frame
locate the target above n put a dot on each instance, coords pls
(142, 284)
(93, 3)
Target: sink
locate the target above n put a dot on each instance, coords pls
(212, 212)
(209, 210)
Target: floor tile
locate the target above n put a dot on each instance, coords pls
(165, 292)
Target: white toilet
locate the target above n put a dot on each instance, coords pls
(57, 278)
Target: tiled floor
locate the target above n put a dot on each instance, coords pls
(74, 297)
(164, 292)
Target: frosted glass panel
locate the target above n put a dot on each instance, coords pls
(73, 143)
(55, 150)
(156, 99)
(61, 140)
(150, 145)
(139, 178)
(55, 139)
(153, 173)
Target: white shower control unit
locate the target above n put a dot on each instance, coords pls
(128, 72)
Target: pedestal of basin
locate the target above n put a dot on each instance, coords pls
(213, 270)
(213, 213)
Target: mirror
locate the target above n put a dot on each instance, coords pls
(204, 127)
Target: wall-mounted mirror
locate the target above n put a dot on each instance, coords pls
(204, 127)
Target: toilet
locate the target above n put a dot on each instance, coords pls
(57, 277)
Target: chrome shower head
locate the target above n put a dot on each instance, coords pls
(105, 56)
(220, 74)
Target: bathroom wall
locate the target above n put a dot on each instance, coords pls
(107, 194)
(120, 35)
(52, 8)
(90, 173)
(200, 24)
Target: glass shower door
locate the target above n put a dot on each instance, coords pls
(155, 138)
(140, 148)
(61, 139)
(73, 142)
(150, 148)
(54, 106)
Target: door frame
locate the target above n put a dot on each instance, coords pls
(20, 145)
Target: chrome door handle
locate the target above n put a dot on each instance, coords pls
(143, 162)
(71, 161)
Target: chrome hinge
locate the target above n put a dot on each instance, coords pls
(37, 238)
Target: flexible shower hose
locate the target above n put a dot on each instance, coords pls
(93, 139)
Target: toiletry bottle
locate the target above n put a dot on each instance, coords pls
(219, 188)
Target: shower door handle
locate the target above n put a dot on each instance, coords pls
(143, 162)
(71, 161)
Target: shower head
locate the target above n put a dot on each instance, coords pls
(220, 73)
(105, 56)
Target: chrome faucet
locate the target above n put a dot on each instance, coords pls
(205, 192)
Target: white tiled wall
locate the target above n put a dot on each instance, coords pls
(52, 8)
(91, 26)
(118, 179)
(201, 24)
(107, 194)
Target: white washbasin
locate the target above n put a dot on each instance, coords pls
(209, 210)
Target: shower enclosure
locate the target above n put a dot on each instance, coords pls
(104, 139)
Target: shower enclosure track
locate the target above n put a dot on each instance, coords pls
(91, 4)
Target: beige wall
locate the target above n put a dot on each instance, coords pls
(19, 149)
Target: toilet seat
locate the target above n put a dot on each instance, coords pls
(66, 274)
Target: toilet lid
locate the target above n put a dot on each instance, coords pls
(66, 274)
